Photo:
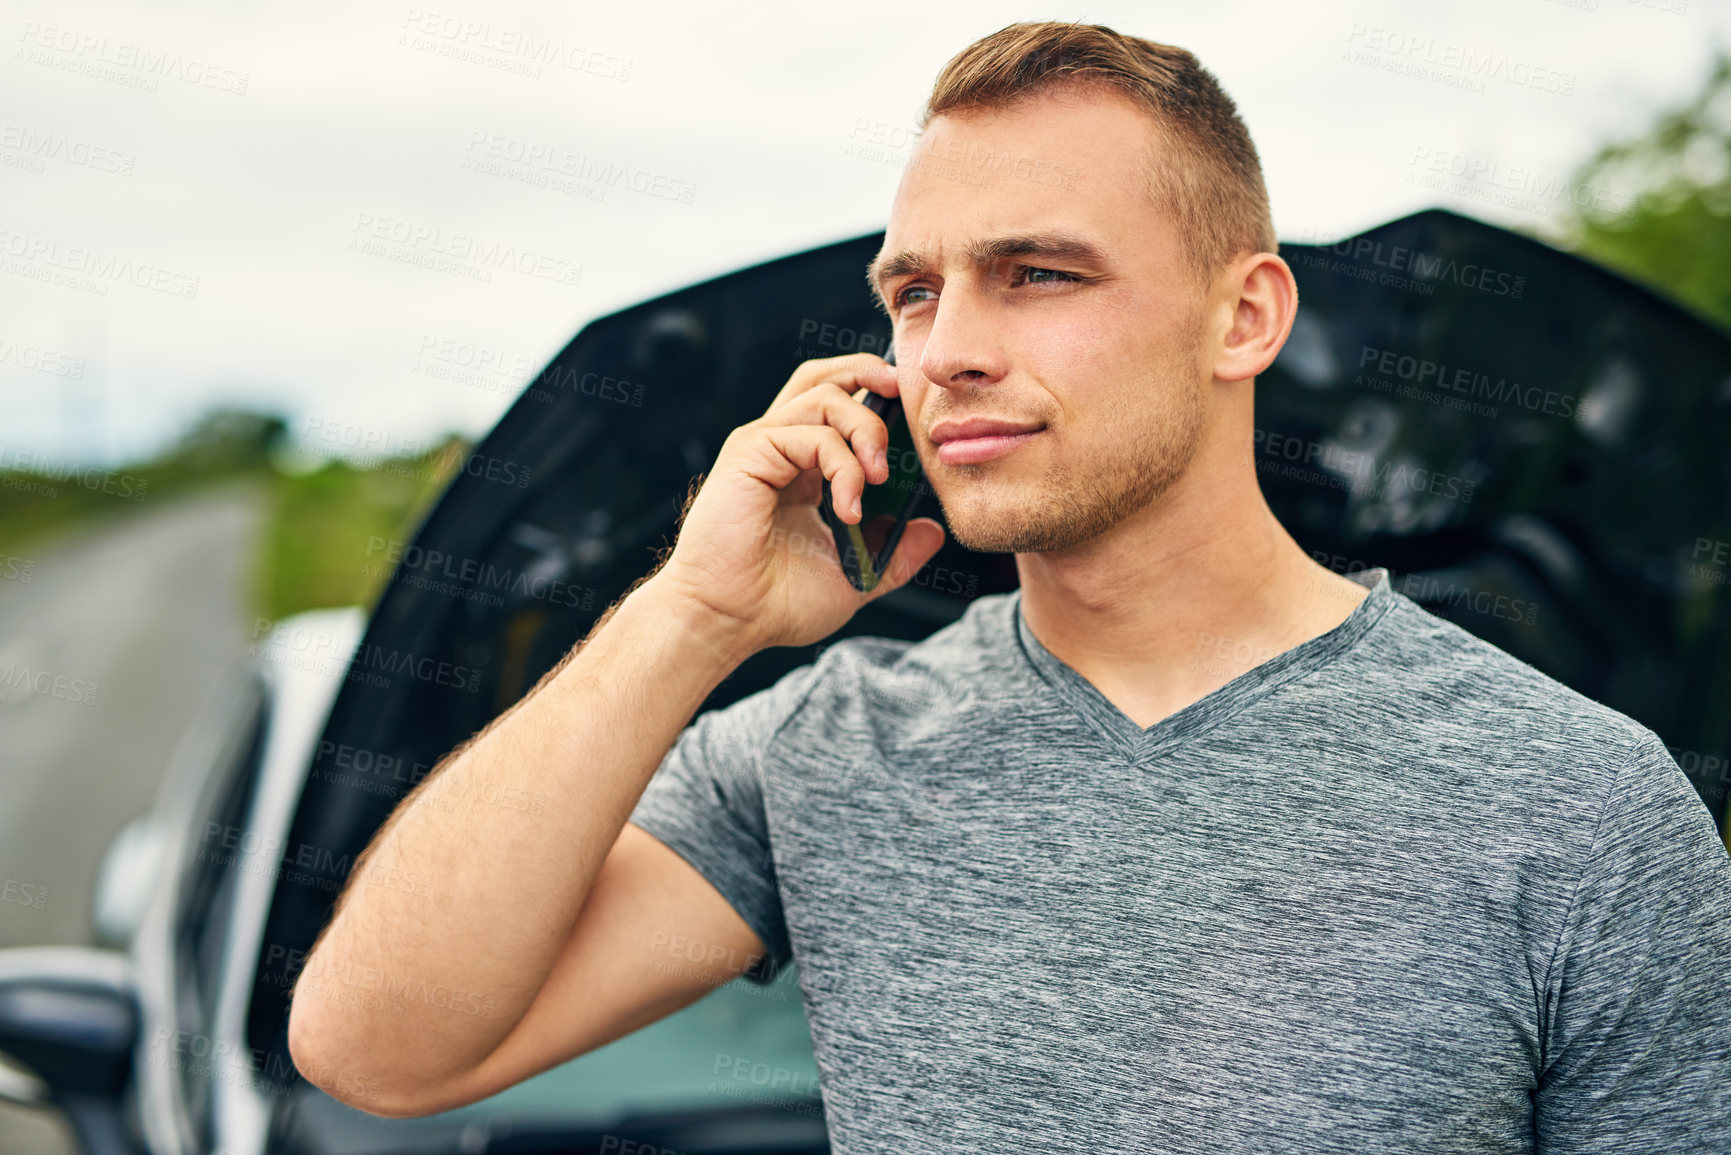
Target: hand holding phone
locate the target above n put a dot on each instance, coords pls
(754, 554)
(899, 496)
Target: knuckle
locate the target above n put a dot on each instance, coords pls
(816, 366)
(836, 394)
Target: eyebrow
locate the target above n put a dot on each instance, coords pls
(1045, 246)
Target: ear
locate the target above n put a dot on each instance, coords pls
(1263, 296)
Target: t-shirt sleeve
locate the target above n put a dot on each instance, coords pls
(705, 801)
(1637, 1052)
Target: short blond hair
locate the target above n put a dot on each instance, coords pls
(1212, 183)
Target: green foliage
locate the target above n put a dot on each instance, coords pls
(1676, 237)
(228, 441)
(321, 542)
(46, 496)
(327, 540)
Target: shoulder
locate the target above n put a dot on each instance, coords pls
(966, 643)
(1447, 678)
(1507, 744)
(1536, 790)
(862, 676)
(867, 677)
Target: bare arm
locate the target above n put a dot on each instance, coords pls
(479, 942)
(466, 895)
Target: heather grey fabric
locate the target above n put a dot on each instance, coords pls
(1392, 890)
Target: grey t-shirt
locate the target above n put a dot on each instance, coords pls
(1392, 890)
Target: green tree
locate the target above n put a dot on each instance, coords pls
(1668, 223)
(227, 440)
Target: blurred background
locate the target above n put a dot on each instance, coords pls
(266, 274)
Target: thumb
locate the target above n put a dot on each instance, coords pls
(921, 538)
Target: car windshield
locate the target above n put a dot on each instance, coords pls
(741, 1043)
(733, 1071)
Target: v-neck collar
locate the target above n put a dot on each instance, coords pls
(1215, 707)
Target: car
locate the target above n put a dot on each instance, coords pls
(1532, 445)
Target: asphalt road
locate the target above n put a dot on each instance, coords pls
(133, 621)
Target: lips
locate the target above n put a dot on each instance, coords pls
(980, 439)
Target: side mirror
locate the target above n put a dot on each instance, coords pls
(70, 1016)
(129, 876)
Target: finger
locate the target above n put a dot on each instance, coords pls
(922, 537)
(792, 449)
(827, 404)
(851, 372)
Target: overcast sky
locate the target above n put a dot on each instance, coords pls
(288, 206)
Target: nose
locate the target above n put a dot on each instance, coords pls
(963, 345)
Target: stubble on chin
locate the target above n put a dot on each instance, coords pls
(989, 513)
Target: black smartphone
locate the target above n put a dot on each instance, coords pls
(899, 496)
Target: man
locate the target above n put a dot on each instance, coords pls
(1056, 878)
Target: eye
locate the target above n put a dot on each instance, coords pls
(902, 298)
(1037, 276)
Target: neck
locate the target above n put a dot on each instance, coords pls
(1199, 587)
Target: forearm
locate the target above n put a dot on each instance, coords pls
(473, 884)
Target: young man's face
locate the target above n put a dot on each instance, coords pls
(1068, 310)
